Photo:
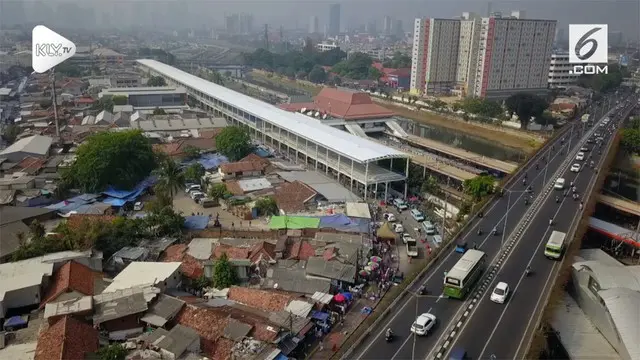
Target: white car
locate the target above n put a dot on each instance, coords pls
(406, 237)
(584, 149)
(575, 168)
(500, 293)
(138, 206)
(580, 156)
(423, 324)
(197, 194)
(398, 228)
(389, 217)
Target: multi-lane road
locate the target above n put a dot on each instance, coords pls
(504, 330)
(505, 214)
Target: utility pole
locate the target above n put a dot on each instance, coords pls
(266, 36)
(444, 215)
(54, 99)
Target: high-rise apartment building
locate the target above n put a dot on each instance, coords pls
(493, 57)
(314, 25)
(386, 25)
(334, 20)
(435, 55)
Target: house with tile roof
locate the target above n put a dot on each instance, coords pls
(241, 169)
(294, 196)
(68, 338)
(71, 281)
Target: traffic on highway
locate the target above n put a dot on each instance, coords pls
(438, 306)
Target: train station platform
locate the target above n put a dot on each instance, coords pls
(627, 206)
(473, 158)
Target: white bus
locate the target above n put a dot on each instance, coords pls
(464, 274)
(555, 245)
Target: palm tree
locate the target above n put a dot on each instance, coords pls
(170, 177)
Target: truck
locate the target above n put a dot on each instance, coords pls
(412, 248)
(555, 245)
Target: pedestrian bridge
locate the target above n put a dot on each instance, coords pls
(626, 206)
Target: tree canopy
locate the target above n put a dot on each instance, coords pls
(479, 187)
(526, 106)
(398, 61)
(120, 99)
(217, 191)
(156, 81)
(267, 206)
(357, 67)
(194, 172)
(481, 107)
(234, 142)
(630, 140)
(170, 177)
(112, 352)
(224, 275)
(294, 63)
(317, 75)
(121, 159)
(604, 82)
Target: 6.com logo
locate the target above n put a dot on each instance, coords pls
(588, 46)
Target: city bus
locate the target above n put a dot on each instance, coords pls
(464, 274)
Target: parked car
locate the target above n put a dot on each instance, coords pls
(196, 195)
(389, 217)
(398, 228)
(138, 206)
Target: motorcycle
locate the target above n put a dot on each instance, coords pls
(388, 337)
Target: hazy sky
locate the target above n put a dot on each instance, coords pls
(621, 15)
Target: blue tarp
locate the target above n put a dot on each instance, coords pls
(130, 195)
(114, 201)
(212, 161)
(72, 204)
(347, 295)
(15, 321)
(344, 223)
(196, 222)
(319, 315)
(262, 152)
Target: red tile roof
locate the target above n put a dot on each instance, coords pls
(31, 164)
(301, 250)
(262, 250)
(66, 339)
(76, 221)
(294, 196)
(234, 187)
(190, 267)
(343, 104)
(71, 276)
(208, 323)
(231, 251)
(265, 300)
(255, 158)
(241, 166)
(222, 349)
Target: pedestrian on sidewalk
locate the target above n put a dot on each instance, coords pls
(321, 345)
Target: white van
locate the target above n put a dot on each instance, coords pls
(559, 184)
(417, 215)
(428, 227)
(400, 204)
(437, 239)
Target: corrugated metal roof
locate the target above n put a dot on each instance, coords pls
(343, 143)
(35, 144)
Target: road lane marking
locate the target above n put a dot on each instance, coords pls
(413, 335)
(542, 240)
(567, 162)
(495, 203)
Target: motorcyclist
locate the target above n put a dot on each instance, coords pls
(527, 271)
(479, 231)
(389, 333)
(557, 199)
(494, 230)
(550, 221)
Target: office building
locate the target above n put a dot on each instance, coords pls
(334, 20)
(493, 57)
(150, 98)
(386, 25)
(560, 71)
(398, 29)
(314, 25)
(435, 54)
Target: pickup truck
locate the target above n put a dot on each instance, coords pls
(412, 248)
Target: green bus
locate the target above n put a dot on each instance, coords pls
(464, 274)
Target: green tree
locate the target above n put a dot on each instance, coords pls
(234, 142)
(37, 229)
(191, 152)
(158, 111)
(479, 187)
(317, 75)
(630, 140)
(120, 99)
(106, 103)
(156, 81)
(430, 185)
(10, 133)
(112, 352)
(605, 82)
(224, 275)
(357, 67)
(398, 61)
(121, 159)
(164, 222)
(526, 106)
(374, 74)
(267, 206)
(482, 107)
(201, 283)
(194, 172)
(217, 191)
(170, 177)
